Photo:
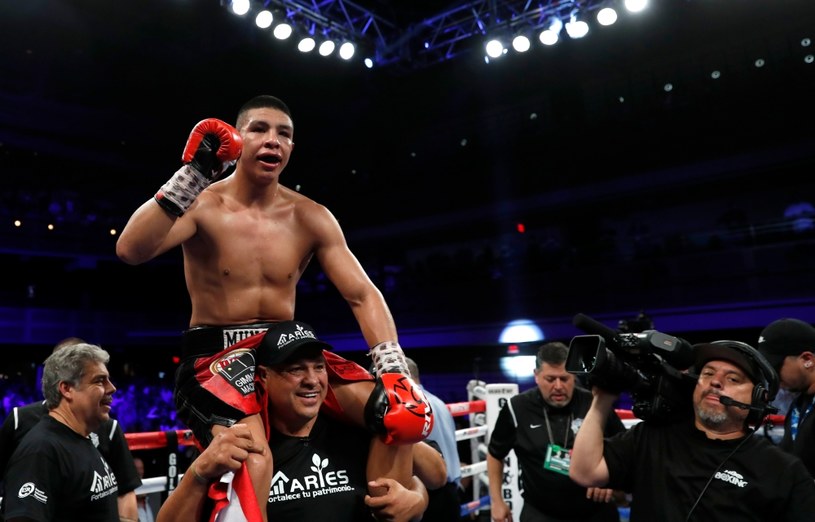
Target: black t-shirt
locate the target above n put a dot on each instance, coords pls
(109, 439)
(668, 468)
(321, 477)
(58, 475)
(521, 426)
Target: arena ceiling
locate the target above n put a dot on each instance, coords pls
(97, 98)
(666, 116)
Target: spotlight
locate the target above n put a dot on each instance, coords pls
(521, 43)
(240, 7)
(264, 19)
(551, 35)
(606, 16)
(494, 48)
(635, 6)
(548, 37)
(576, 28)
(347, 50)
(369, 63)
(521, 331)
(326, 48)
(282, 31)
(306, 45)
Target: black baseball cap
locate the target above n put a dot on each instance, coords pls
(785, 337)
(727, 351)
(285, 340)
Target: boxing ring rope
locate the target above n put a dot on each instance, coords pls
(158, 439)
(482, 409)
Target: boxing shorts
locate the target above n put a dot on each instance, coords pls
(216, 383)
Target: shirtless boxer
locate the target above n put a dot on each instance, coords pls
(246, 241)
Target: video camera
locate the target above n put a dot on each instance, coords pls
(647, 364)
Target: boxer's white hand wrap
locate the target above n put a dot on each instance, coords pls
(180, 191)
(388, 357)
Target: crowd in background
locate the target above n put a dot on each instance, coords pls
(140, 403)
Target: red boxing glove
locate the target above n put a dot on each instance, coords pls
(212, 148)
(398, 411)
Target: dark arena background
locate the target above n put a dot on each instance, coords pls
(661, 165)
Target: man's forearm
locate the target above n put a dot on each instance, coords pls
(391, 461)
(186, 502)
(128, 508)
(588, 467)
(429, 465)
(418, 488)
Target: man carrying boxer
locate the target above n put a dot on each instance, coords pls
(320, 460)
(246, 241)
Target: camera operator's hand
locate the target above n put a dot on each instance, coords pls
(606, 384)
(604, 398)
(601, 495)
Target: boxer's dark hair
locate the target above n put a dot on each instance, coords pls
(261, 102)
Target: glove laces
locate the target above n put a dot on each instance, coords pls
(388, 357)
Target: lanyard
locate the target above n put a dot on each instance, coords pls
(796, 416)
(549, 429)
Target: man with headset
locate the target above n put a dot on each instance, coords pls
(709, 467)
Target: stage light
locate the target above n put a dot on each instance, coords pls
(521, 43)
(306, 45)
(369, 63)
(240, 7)
(521, 331)
(518, 367)
(606, 16)
(576, 28)
(494, 48)
(282, 31)
(264, 19)
(347, 50)
(548, 37)
(326, 48)
(556, 25)
(551, 35)
(635, 6)
(531, 18)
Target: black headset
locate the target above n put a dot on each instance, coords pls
(763, 392)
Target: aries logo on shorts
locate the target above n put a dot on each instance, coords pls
(238, 368)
